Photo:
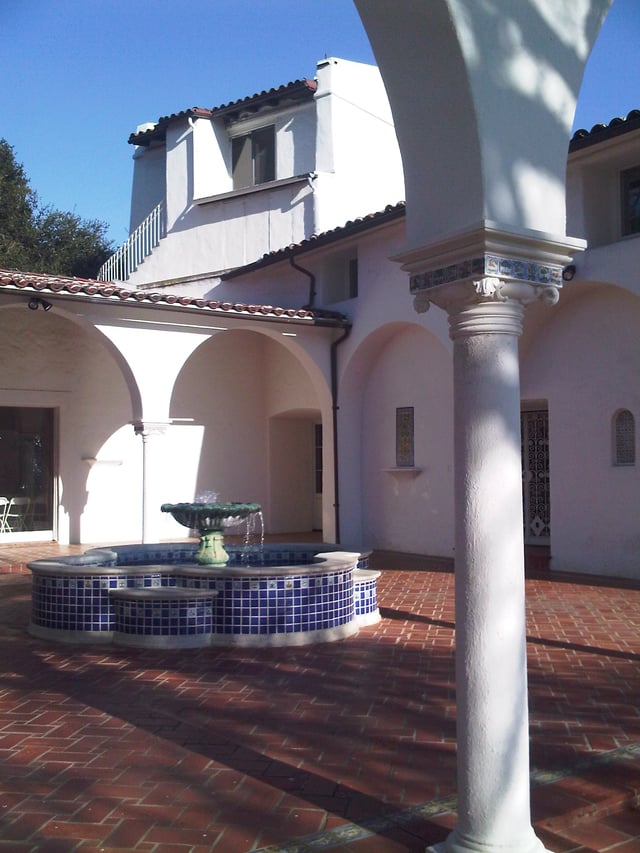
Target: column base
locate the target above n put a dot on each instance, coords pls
(456, 844)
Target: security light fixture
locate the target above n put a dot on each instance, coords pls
(35, 302)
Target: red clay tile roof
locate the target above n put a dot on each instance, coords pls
(296, 90)
(41, 283)
(316, 241)
(601, 132)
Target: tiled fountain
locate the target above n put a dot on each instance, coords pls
(187, 594)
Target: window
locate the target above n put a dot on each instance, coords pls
(624, 438)
(317, 434)
(404, 437)
(254, 157)
(353, 278)
(340, 277)
(630, 190)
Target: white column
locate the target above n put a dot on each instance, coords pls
(491, 673)
(151, 434)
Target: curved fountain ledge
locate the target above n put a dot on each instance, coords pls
(158, 596)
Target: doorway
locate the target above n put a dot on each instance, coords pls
(26, 472)
(535, 475)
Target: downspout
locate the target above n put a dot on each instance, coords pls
(312, 282)
(334, 409)
(334, 391)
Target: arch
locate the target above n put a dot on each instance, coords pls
(473, 64)
(88, 327)
(254, 398)
(91, 398)
(381, 506)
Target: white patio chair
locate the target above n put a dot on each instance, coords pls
(5, 506)
(17, 515)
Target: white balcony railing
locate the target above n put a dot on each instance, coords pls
(140, 244)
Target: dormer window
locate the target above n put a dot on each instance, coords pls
(630, 180)
(254, 157)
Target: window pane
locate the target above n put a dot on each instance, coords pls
(264, 160)
(241, 158)
(404, 437)
(625, 438)
(631, 201)
(353, 278)
(318, 458)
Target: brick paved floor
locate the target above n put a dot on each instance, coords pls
(348, 746)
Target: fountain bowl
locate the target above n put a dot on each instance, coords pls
(208, 519)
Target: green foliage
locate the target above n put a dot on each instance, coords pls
(41, 239)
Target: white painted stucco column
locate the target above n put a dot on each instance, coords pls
(491, 671)
(152, 434)
(484, 280)
(485, 320)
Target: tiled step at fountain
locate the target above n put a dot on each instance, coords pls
(163, 617)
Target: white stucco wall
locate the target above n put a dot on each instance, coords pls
(149, 186)
(402, 511)
(221, 235)
(585, 361)
(355, 138)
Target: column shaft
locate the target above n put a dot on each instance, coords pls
(491, 680)
(151, 434)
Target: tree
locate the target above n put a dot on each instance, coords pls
(42, 239)
(69, 245)
(17, 208)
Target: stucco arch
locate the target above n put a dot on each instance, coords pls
(88, 327)
(254, 398)
(487, 82)
(382, 507)
(69, 367)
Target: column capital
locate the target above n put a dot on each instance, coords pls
(488, 263)
(148, 428)
(486, 290)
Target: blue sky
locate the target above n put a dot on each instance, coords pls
(78, 76)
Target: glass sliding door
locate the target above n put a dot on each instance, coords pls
(26, 472)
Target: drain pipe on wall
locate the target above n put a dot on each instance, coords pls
(334, 392)
(334, 410)
(312, 281)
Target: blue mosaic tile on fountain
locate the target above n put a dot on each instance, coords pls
(164, 617)
(274, 605)
(365, 597)
(83, 603)
(280, 604)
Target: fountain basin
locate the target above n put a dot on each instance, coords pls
(140, 595)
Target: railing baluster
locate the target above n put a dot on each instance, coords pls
(141, 243)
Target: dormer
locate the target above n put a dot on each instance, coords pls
(217, 188)
(237, 147)
(603, 182)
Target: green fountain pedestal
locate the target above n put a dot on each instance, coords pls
(208, 518)
(211, 551)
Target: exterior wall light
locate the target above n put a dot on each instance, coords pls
(35, 302)
(569, 272)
